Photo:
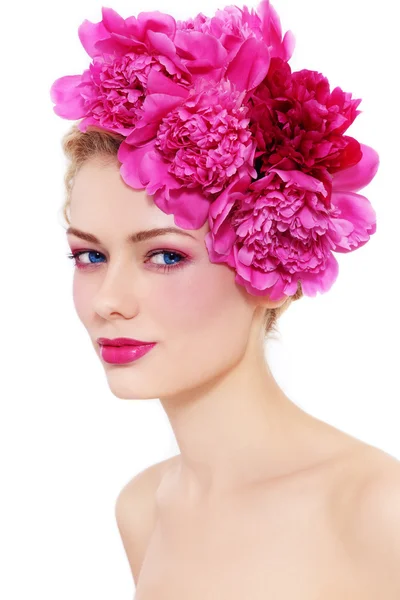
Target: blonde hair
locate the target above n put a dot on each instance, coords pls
(95, 142)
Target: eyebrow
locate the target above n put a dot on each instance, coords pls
(134, 238)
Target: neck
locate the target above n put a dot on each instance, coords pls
(237, 430)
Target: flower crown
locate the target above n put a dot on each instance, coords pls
(216, 126)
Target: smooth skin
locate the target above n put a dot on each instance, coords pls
(262, 494)
(328, 534)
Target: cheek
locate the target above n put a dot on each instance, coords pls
(82, 299)
(205, 301)
(204, 322)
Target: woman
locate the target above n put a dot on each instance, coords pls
(201, 127)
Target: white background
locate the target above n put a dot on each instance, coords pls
(67, 444)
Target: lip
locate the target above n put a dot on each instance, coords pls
(121, 341)
(119, 355)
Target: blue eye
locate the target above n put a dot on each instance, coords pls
(164, 267)
(168, 253)
(77, 260)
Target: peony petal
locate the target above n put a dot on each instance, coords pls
(272, 32)
(131, 159)
(156, 106)
(217, 256)
(134, 28)
(261, 281)
(308, 218)
(358, 211)
(250, 65)
(157, 82)
(274, 292)
(357, 177)
(222, 238)
(222, 205)
(90, 120)
(153, 170)
(292, 286)
(312, 283)
(189, 206)
(271, 24)
(257, 282)
(245, 255)
(113, 22)
(157, 21)
(90, 33)
(119, 45)
(302, 180)
(200, 51)
(67, 98)
(162, 44)
(288, 44)
(142, 134)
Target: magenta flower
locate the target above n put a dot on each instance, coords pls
(299, 123)
(217, 127)
(202, 143)
(278, 230)
(110, 94)
(207, 139)
(233, 25)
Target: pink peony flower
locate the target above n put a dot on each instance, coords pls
(278, 230)
(217, 127)
(207, 140)
(233, 25)
(201, 143)
(299, 123)
(110, 94)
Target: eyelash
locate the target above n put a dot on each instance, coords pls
(163, 268)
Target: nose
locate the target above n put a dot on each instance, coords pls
(118, 291)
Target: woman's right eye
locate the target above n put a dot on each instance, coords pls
(77, 260)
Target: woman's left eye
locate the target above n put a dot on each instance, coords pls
(164, 267)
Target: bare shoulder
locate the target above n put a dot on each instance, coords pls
(135, 512)
(377, 504)
(373, 526)
(144, 482)
(379, 477)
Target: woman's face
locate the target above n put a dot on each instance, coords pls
(197, 314)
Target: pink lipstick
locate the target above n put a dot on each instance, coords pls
(123, 350)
